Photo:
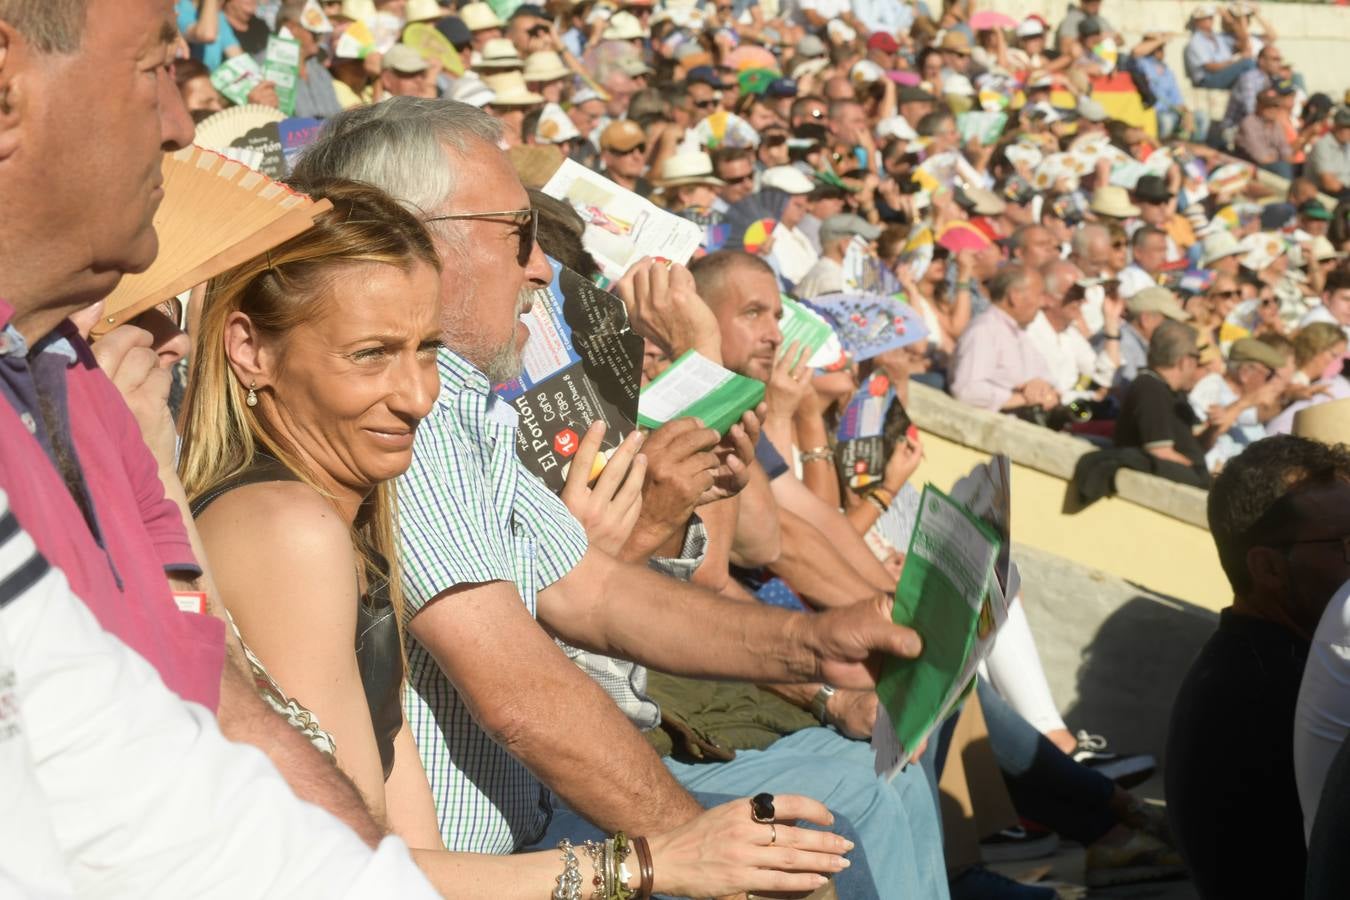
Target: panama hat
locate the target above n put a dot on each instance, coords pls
(1219, 245)
(1113, 201)
(545, 65)
(1326, 422)
(479, 17)
(424, 11)
(499, 53)
(689, 168)
(623, 26)
(510, 90)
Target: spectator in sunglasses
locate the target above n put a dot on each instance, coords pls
(735, 167)
(623, 151)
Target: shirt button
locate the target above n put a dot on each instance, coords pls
(29, 422)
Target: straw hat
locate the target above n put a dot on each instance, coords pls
(955, 42)
(471, 90)
(689, 168)
(510, 90)
(424, 11)
(1326, 422)
(545, 65)
(623, 26)
(1219, 245)
(479, 17)
(499, 53)
(1113, 201)
(357, 10)
(555, 126)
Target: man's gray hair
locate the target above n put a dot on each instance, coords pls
(1084, 236)
(411, 148)
(1060, 275)
(1009, 277)
(1171, 343)
(52, 26)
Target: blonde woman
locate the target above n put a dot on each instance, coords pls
(313, 366)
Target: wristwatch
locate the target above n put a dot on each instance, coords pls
(819, 701)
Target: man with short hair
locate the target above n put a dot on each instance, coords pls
(586, 112)
(1212, 58)
(1231, 402)
(492, 558)
(735, 168)
(1251, 84)
(1262, 139)
(1335, 305)
(914, 103)
(996, 366)
(1154, 414)
(1329, 160)
(1055, 333)
(836, 233)
(1033, 246)
(1279, 513)
(1148, 250)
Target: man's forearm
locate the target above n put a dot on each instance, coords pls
(812, 566)
(793, 496)
(244, 717)
(758, 538)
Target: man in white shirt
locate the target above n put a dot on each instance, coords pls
(1231, 401)
(1148, 246)
(1055, 331)
(122, 789)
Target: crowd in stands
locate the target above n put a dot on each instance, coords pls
(284, 614)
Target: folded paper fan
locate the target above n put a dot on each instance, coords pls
(216, 214)
(229, 125)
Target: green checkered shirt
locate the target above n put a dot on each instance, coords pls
(470, 513)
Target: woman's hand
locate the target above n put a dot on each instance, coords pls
(905, 459)
(610, 509)
(725, 851)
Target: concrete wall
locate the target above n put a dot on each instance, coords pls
(1313, 36)
(1153, 533)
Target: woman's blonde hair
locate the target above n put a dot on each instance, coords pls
(280, 291)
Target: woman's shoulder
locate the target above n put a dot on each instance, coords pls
(272, 519)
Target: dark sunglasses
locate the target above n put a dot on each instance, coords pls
(636, 148)
(1118, 245)
(526, 220)
(538, 31)
(1269, 301)
(707, 104)
(1225, 295)
(774, 140)
(741, 180)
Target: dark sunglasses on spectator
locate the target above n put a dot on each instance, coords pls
(741, 180)
(527, 220)
(775, 139)
(1119, 245)
(538, 31)
(636, 148)
(1225, 295)
(707, 104)
(1269, 301)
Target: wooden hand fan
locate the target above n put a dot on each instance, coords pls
(216, 214)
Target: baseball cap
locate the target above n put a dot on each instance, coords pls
(1313, 209)
(782, 87)
(1031, 26)
(788, 179)
(883, 41)
(585, 95)
(1204, 11)
(704, 75)
(402, 58)
(1257, 351)
(847, 225)
(622, 135)
(1158, 300)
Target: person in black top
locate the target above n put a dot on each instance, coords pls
(1278, 512)
(251, 31)
(1155, 414)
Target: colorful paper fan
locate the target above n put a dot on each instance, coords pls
(724, 129)
(991, 20)
(431, 44)
(751, 221)
(757, 235)
(960, 236)
(751, 57)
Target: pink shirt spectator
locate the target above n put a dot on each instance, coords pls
(994, 358)
(117, 568)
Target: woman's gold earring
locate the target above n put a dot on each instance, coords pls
(252, 398)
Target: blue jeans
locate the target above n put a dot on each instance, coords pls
(1046, 785)
(1226, 77)
(855, 881)
(896, 820)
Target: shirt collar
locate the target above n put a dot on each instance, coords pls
(459, 375)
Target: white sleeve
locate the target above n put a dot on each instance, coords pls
(146, 798)
(1322, 717)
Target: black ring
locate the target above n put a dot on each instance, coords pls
(761, 808)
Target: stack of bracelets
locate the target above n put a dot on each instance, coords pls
(610, 875)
